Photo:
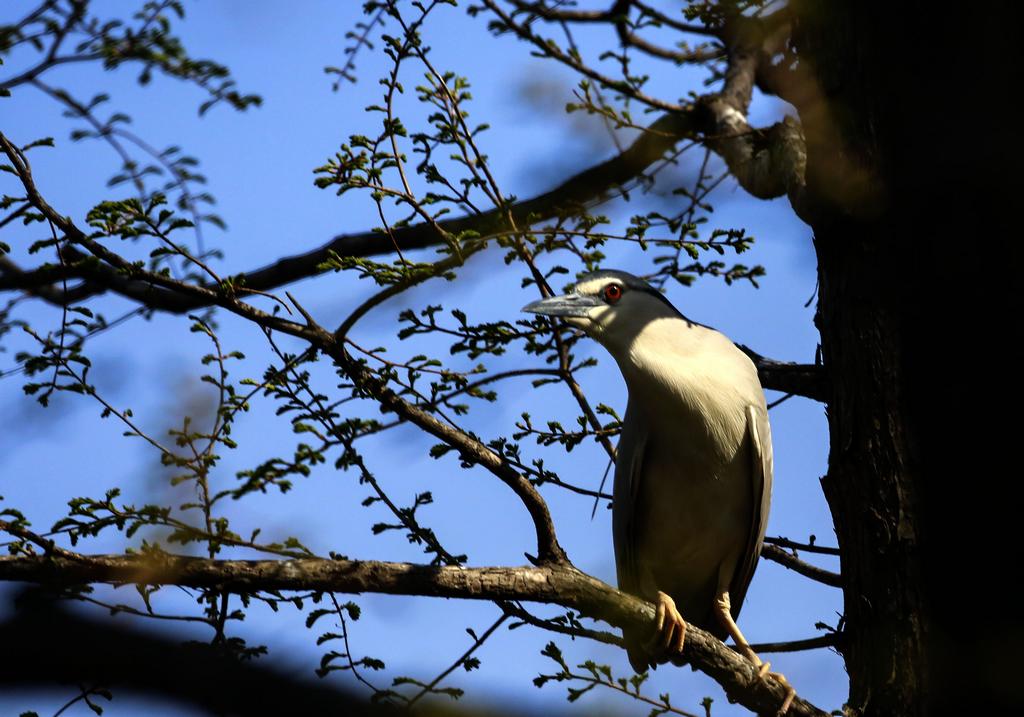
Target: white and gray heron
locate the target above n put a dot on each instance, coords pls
(693, 471)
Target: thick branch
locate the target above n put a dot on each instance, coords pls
(768, 162)
(55, 646)
(556, 584)
(807, 380)
(38, 282)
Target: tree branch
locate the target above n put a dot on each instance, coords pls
(807, 380)
(551, 13)
(623, 27)
(753, 156)
(618, 15)
(547, 48)
(58, 647)
(808, 547)
(553, 581)
(780, 556)
(37, 282)
(767, 163)
(832, 639)
(658, 138)
(46, 64)
(555, 584)
(470, 449)
(602, 636)
(672, 22)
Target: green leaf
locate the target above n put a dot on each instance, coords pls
(316, 615)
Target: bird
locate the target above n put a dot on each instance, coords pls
(693, 468)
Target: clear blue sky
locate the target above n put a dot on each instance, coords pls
(259, 166)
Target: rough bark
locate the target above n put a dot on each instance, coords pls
(559, 584)
(908, 333)
(872, 484)
(873, 480)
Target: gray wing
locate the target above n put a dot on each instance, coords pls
(629, 463)
(628, 470)
(759, 435)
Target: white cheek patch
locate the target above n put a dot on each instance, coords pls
(600, 314)
(592, 287)
(579, 322)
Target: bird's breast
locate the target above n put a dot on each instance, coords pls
(694, 502)
(692, 386)
(694, 517)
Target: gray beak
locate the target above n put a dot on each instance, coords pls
(567, 305)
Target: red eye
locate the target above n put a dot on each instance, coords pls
(612, 293)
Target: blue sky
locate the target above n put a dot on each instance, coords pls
(259, 165)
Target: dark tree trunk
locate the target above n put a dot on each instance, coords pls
(873, 479)
(912, 193)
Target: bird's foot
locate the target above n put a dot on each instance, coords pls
(670, 634)
(723, 610)
(764, 670)
(781, 678)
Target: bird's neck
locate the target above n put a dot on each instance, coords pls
(688, 379)
(664, 355)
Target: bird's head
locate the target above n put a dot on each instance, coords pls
(611, 307)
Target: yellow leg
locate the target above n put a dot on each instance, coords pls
(723, 611)
(670, 628)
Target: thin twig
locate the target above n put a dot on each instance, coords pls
(477, 642)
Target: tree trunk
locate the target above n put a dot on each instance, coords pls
(872, 481)
(913, 197)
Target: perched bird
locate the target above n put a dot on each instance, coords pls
(693, 472)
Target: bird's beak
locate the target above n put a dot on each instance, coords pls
(567, 305)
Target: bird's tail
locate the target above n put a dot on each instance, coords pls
(640, 657)
(638, 651)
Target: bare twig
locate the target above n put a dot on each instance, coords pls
(780, 556)
(806, 547)
(833, 639)
(477, 642)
